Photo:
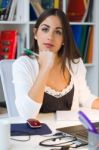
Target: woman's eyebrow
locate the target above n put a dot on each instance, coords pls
(49, 26)
(45, 25)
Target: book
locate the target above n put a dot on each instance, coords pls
(3, 7)
(22, 16)
(2, 13)
(77, 33)
(33, 15)
(13, 7)
(56, 3)
(47, 4)
(87, 6)
(63, 5)
(0, 4)
(4, 4)
(86, 45)
(83, 39)
(89, 16)
(90, 46)
(7, 10)
(19, 14)
(37, 7)
(76, 10)
(8, 44)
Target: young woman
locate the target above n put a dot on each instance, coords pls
(56, 79)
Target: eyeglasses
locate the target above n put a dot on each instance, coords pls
(66, 141)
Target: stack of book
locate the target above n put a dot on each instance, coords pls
(11, 10)
(84, 35)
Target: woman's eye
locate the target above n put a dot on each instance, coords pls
(59, 32)
(45, 29)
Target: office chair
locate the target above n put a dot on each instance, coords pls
(8, 87)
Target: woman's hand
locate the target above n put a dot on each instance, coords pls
(46, 59)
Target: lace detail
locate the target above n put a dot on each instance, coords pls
(58, 94)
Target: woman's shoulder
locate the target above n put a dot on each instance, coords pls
(25, 62)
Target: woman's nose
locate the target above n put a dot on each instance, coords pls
(50, 35)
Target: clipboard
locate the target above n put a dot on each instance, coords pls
(22, 129)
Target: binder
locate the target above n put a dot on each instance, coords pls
(83, 39)
(76, 10)
(77, 33)
(8, 44)
(90, 46)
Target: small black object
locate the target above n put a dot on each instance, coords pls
(58, 134)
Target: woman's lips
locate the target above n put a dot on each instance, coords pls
(48, 45)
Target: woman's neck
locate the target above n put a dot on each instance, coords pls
(57, 61)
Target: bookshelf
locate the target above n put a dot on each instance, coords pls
(24, 26)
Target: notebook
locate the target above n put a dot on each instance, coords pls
(78, 130)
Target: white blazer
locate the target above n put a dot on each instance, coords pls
(25, 71)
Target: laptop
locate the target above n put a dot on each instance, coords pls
(78, 130)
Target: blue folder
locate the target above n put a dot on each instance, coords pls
(23, 129)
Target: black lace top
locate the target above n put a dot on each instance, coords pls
(52, 104)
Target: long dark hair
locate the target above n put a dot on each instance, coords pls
(69, 50)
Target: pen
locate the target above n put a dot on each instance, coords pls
(30, 52)
(87, 122)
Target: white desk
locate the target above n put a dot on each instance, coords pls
(50, 120)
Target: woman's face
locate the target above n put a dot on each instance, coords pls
(49, 35)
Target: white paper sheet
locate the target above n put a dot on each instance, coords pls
(73, 115)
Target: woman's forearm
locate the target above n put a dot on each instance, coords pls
(37, 90)
(95, 104)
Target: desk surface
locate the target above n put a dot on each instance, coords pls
(50, 120)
